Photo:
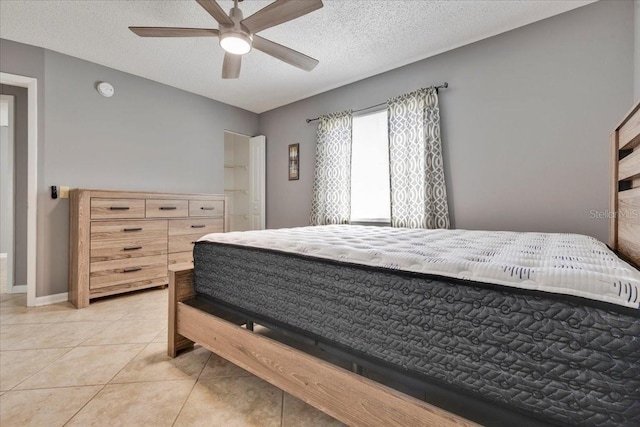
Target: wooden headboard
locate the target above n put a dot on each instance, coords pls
(624, 232)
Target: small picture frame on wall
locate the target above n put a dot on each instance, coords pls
(294, 162)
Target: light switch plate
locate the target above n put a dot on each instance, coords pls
(64, 192)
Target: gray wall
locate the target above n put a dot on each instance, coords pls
(20, 181)
(525, 123)
(637, 50)
(148, 136)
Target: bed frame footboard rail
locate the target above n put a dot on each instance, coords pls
(346, 396)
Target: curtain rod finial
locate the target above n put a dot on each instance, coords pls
(445, 85)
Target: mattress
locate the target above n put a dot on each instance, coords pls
(563, 359)
(570, 264)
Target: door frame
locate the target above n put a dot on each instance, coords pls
(262, 158)
(7, 204)
(32, 175)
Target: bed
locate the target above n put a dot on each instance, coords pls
(528, 328)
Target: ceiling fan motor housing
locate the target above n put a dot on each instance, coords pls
(237, 30)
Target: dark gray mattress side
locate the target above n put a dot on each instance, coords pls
(564, 362)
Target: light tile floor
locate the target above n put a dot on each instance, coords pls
(106, 365)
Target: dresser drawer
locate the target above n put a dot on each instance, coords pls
(203, 226)
(206, 207)
(181, 258)
(134, 248)
(111, 240)
(125, 231)
(159, 208)
(117, 208)
(183, 243)
(150, 269)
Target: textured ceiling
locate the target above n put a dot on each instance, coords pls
(351, 39)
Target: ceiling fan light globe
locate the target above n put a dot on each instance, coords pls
(235, 43)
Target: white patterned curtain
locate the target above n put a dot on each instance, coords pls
(418, 192)
(331, 203)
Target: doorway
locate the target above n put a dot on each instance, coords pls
(7, 145)
(244, 180)
(31, 84)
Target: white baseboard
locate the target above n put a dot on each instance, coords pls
(52, 299)
(19, 289)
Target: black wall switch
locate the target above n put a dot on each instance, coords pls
(54, 192)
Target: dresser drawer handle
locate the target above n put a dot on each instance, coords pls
(198, 226)
(132, 229)
(168, 208)
(132, 248)
(119, 208)
(131, 269)
(207, 208)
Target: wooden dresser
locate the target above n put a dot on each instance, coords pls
(124, 241)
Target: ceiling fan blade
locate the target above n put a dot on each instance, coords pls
(174, 32)
(216, 11)
(231, 66)
(278, 12)
(284, 53)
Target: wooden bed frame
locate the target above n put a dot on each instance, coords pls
(624, 231)
(347, 396)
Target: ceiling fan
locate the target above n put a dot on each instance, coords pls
(238, 35)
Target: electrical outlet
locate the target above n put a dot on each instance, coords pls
(64, 192)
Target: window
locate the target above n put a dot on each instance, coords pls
(370, 195)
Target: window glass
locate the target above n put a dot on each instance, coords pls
(370, 200)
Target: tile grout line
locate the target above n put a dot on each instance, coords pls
(114, 322)
(58, 387)
(83, 406)
(100, 331)
(131, 360)
(152, 381)
(78, 385)
(95, 385)
(191, 391)
(13, 296)
(205, 364)
(57, 323)
(184, 403)
(126, 364)
(75, 346)
(282, 410)
(54, 322)
(41, 369)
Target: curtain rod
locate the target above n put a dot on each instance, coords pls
(442, 86)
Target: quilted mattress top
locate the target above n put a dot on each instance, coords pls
(558, 263)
